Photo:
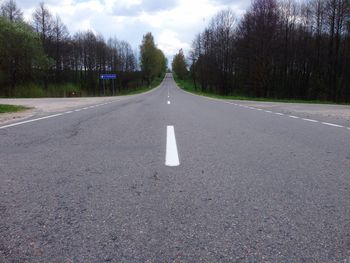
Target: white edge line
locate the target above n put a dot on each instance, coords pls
(333, 125)
(60, 114)
(310, 120)
(267, 111)
(33, 120)
(171, 155)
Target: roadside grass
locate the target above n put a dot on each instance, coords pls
(5, 108)
(32, 90)
(155, 83)
(188, 85)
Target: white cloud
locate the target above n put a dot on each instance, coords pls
(174, 23)
(169, 42)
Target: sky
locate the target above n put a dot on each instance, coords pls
(173, 23)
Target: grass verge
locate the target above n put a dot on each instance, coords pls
(188, 85)
(155, 83)
(32, 90)
(5, 108)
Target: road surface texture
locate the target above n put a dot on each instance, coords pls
(174, 178)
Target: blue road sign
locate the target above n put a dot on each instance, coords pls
(108, 76)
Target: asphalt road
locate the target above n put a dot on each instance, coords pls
(250, 185)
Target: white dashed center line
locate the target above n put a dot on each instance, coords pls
(168, 101)
(171, 155)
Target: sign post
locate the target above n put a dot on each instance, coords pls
(104, 77)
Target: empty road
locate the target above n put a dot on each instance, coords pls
(169, 176)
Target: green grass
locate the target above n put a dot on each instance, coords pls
(5, 108)
(155, 83)
(32, 90)
(189, 86)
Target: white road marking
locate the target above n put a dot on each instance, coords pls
(68, 112)
(267, 111)
(259, 109)
(171, 156)
(33, 120)
(333, 125)
(168, 102)
(85, 108)
(310, 120)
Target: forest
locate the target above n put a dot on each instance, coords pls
(282, 49)
(40, 58)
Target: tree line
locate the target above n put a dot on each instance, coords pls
(278, 49)
(42, 53)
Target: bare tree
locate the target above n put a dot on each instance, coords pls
(10, 10)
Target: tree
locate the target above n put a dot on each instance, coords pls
(20, 54)
(153, 61)
(43, 24)
(279, 49)
(45, 53)
(179, 65)
(10, 10)
(60, 36)
(148, 58)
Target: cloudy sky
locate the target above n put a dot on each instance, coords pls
(174, 23)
